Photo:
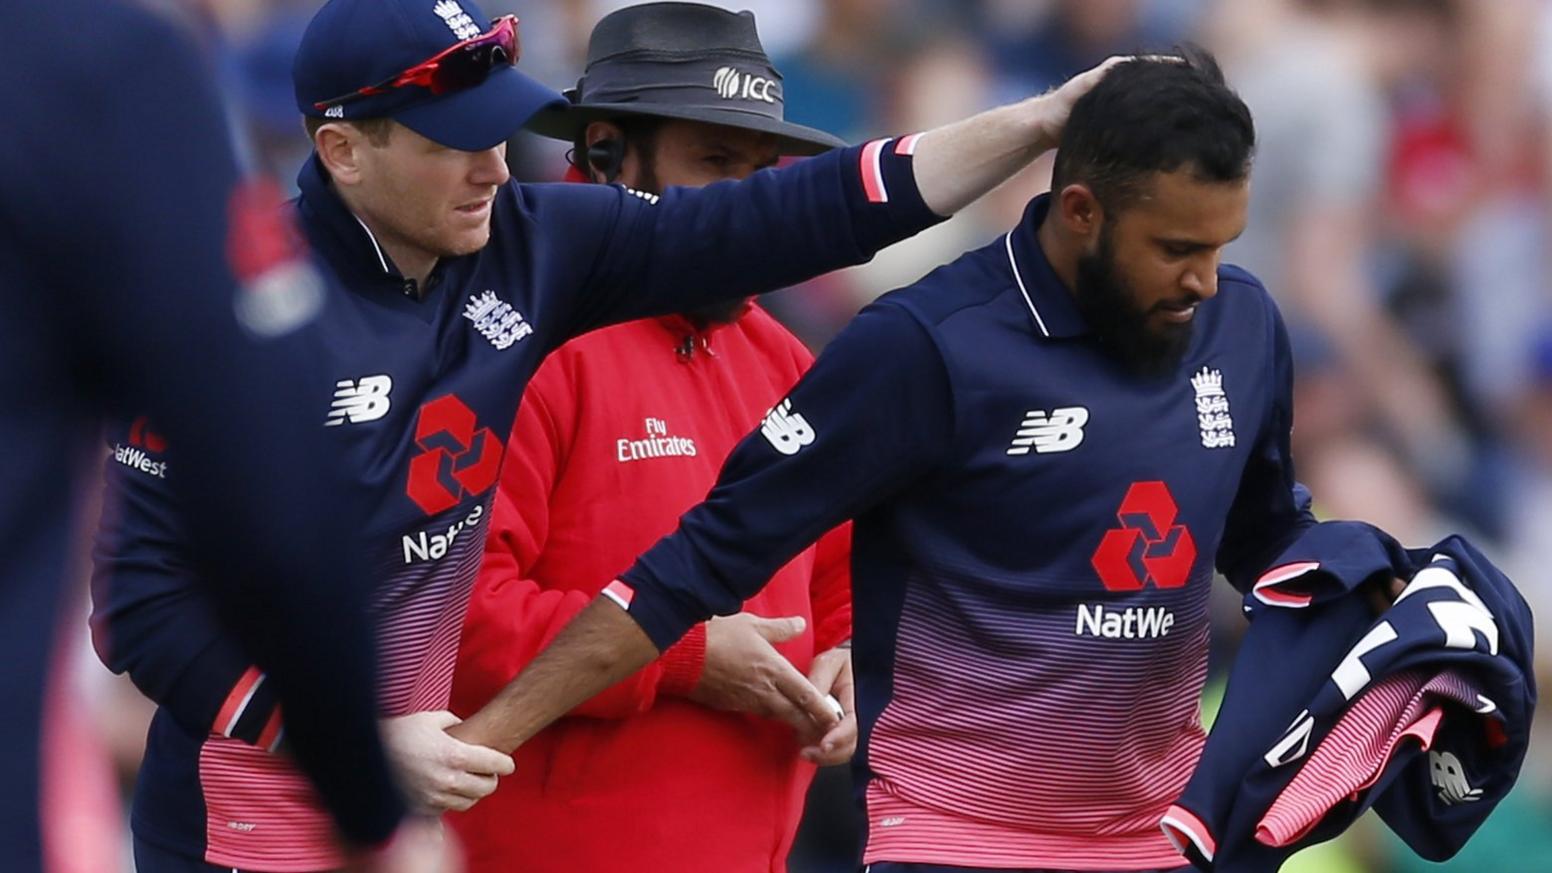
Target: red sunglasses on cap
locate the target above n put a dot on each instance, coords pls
(455, 68)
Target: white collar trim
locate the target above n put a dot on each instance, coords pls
(384, 261)
(1017, 277)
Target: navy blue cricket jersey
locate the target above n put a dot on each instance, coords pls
(1423, 712)
(416, 402)
(120, 261)
(1036, 530)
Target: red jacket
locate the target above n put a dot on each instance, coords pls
(619, 433)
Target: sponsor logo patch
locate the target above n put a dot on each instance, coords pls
(1131, 623)
(1060, 430)
(785, 430)
(1148, 548)
(734, 85)
(139, 454)
(658, 443)
(459, 457)
(433, 546)
(360, 400)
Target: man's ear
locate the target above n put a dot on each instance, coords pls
(340, 146)
(1080, 211)
(600, 130)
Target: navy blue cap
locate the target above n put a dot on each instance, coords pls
(353, 44)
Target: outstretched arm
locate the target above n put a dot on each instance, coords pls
(640, 254)
(817, 460)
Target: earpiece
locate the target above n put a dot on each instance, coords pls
(607, 156)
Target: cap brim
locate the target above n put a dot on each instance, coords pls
(567, 121)
(481, 117)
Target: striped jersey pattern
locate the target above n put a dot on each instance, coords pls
(1011, 742)
(1352, 757)
(262, 814)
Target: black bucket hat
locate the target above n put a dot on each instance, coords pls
(680, 60)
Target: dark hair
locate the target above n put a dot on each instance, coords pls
(1155, 116)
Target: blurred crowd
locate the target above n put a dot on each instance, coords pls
(1401, 215)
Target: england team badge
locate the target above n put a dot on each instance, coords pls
(1212, 409)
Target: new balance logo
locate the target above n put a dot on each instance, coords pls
(334, 112)
(733, 85)
(1060, 430)
(1447, 775)
(362, 400)
(786, 430)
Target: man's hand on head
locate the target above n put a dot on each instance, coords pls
(1054, 106)
(959, 162)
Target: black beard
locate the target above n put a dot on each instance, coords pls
(1109, 306)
